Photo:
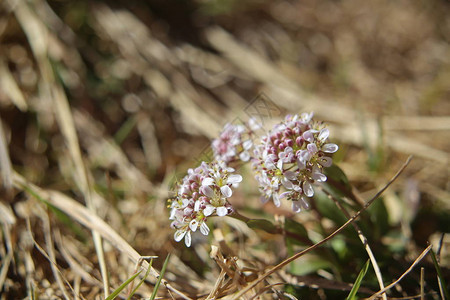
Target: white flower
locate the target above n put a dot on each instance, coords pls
(202, 193)
(290, 159)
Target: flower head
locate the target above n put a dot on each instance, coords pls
(203, 192)
(291, 158)
(235, 142)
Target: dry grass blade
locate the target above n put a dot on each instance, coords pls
(364, 241)
(74, 265)
(37, 34)
(418, 259)
(56, 272)
(9, 86)
(5, 163)
(301, 253)
(84, 216)
(52, 257)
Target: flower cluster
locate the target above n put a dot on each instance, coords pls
(287, 162)
(291, 159)
(234, 142)
(203, 192)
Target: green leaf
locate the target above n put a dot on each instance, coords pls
(296, 233)
(262, 224)
(122, 286)
(142, 280)
(357, 284)
(163, 270)
(328, 208)
(310, 264)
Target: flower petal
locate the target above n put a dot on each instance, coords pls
(325, 161)
(235, 178)
(204, 229)
(209, 210)
(287, 184)
(308, 189)
(290, 175)
(207, 191)
(276, 200)
(179, 235)
(296, 207)
(187, 239)
(304, 202)
(330, 148)
(207, 181)
(193, 225)
(222, 211)
(244, 156)
(226, 191)
(323, 135)
(247, 144)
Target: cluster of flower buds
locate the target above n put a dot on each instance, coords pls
(291, 158)
(235, 142)
(203, 192)
(287, 162)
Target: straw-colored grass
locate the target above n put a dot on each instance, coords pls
(104, 106)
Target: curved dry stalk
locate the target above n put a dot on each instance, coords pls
(364, 241)
(337, 231)
(418, 259)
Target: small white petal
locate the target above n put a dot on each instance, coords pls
(304, 202)
(323, 135)
(197, 206)
(318, 176)
(226, 191)
(284, 195)
(296, 207)
(276, 200)
(287, 184)
(234, 178)
(309, 135)
(325, 161)
(301, 163)
(207, 181)
(308, 189)
(244, 156)
(187, 239)
(280, 164)
(193, 225)
(179, 235)
(204, 229)
(330, 148)
(312, 148)
(207, 191)
(290, 175)
(247, 144)
(222, 211)
(209, 210)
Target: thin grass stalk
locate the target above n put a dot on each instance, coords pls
(364, 241)
(326, 239)
(418, 259)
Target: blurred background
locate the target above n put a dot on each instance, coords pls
(121, 97)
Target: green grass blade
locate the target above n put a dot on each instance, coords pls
(443, 284)
(122, 286)
(357, 284)
(142, 280)
(163, 270)
(125, 130)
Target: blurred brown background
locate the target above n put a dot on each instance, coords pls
(121, 96)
